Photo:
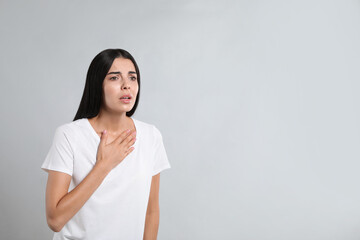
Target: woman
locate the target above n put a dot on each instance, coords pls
(104, 166)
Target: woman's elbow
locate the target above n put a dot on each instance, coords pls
(54, 224)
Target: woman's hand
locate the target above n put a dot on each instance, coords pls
(110, 155)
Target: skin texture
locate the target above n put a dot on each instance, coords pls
(114, 146)
(153, 210)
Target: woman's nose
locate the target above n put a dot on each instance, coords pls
(125, 85)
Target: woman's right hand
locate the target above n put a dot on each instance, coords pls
(110, 155)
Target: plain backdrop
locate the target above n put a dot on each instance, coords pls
(257, 102)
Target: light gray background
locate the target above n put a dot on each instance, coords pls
(257, 102)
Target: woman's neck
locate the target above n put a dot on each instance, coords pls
(114, 124)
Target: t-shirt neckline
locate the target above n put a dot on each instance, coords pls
(98, 137)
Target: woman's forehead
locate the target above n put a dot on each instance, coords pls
(122, 65)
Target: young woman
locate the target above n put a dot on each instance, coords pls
(104, 166)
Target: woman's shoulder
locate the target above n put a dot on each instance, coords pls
(69, 128)
(147, 128)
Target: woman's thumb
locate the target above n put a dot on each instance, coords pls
(103, 137)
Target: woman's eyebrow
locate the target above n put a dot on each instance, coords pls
(132, 72)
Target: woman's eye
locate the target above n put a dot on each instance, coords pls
(113, 78)
(133, 78)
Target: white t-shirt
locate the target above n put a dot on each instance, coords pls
(117, 209)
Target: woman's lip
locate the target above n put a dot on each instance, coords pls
(125, 100)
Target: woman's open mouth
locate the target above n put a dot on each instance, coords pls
(125, 98)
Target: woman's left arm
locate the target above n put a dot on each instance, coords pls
(153, 210)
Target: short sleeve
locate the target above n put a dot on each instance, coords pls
(60, 156)
(160, 157)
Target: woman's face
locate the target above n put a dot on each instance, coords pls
(120, 80)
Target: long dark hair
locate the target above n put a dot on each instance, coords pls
(99, 67)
